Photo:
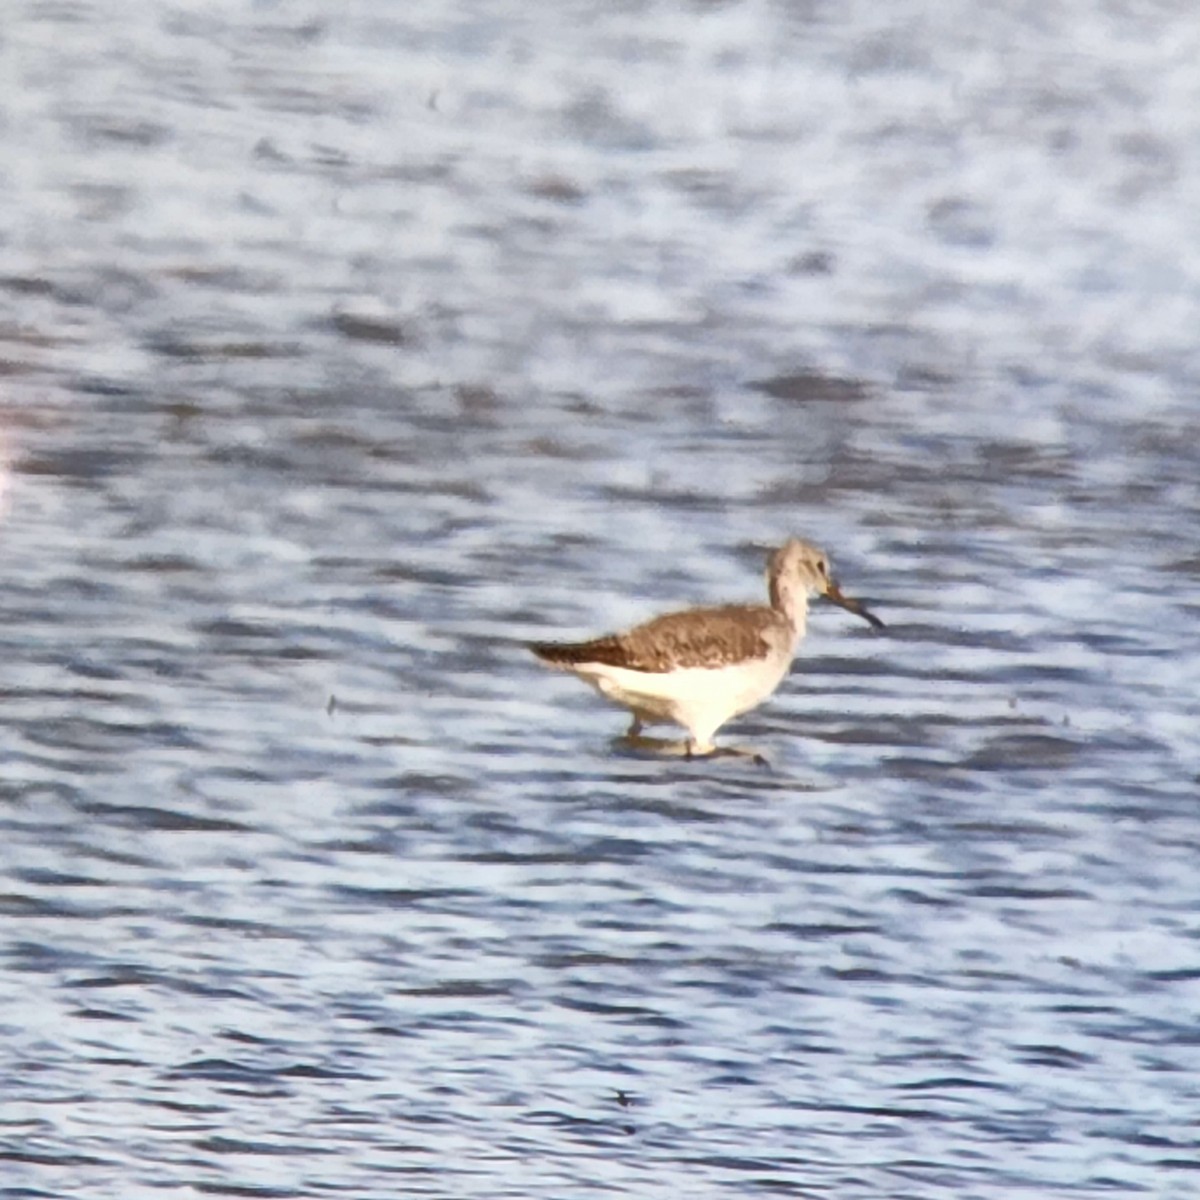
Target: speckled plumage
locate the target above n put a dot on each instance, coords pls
(700, 667)
(700, 637)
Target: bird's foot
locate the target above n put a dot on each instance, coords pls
(710, 750)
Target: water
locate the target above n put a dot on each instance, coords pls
(345, 348)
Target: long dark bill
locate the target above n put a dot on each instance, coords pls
(855, 606)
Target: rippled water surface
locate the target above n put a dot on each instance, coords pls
(346, 347)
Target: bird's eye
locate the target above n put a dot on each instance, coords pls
(822, 567)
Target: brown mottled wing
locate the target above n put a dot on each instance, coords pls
(700, 637)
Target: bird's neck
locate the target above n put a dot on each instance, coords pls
(791, 603)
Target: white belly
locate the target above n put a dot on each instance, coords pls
(701, 699)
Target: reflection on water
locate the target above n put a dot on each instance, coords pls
(347, 353)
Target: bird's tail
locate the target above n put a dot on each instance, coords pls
(549, 652)
(563, 654)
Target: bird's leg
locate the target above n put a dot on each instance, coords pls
(635, 727)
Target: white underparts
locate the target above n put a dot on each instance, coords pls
(701, 699)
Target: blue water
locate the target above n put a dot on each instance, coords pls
(346, 347)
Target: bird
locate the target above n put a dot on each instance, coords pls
(703, 666)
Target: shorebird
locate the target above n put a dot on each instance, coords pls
(700, 667)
